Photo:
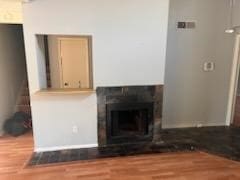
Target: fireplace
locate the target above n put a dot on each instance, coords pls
(129, 122)
(129, 114)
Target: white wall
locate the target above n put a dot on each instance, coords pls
(129, 44)
(12, 69)
(192, 96)
(56, 116)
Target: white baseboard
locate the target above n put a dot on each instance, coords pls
(58, 148)
(176, 126)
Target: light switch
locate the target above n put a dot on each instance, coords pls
(181, 25)
(186, 25)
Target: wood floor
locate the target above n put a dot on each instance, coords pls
(15, 152)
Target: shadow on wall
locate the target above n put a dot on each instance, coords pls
(12, 69)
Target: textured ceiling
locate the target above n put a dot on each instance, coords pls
(11, 11)
(11, 0)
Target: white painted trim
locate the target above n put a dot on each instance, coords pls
(190, 125)
(233, 82)
(58, 148)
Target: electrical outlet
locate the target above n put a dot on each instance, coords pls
(75, 129)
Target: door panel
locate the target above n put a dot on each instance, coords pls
(236, 115)
(236, 119)
(75, 62)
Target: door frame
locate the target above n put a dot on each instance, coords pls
(233, 82)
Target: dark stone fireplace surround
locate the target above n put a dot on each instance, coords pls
(108, 96)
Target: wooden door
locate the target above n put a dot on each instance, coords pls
(74, 54)
(236, 117)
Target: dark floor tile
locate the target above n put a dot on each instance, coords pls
(64, 156)
(93, 153)
(83, 154)
(35, 158)
(54, 157)
(111, 151)
(44, 158)
(74, 155)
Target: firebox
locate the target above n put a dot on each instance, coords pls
(129, 122)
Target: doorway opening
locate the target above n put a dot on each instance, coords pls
(15, 108)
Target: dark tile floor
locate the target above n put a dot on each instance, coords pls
(222, 141)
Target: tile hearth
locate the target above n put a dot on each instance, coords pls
(105, 152)
(222, 141)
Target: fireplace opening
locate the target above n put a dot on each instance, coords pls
(129, 122)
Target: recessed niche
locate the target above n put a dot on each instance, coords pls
(65, 62)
